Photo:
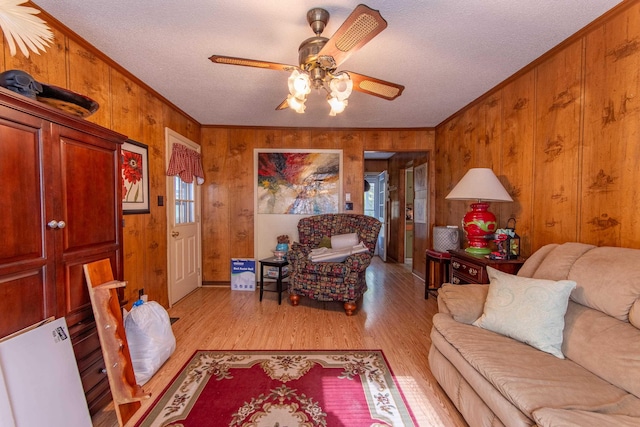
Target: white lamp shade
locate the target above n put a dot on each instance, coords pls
(341, 86)
(296, 104)
(479, 184)
(299, 84)
(337, 106)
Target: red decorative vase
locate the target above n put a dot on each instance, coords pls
(479, 224)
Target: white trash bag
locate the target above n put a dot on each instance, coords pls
(150, 338)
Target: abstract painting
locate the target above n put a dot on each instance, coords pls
(298, 182)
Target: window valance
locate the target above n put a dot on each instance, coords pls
(185, 163)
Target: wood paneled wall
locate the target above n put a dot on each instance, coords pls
(130, 107)
(229, 188)
(562, 135)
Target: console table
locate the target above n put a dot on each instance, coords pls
(469, 268)
(437, 271)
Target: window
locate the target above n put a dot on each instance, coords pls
(370, 199)
(185, 201)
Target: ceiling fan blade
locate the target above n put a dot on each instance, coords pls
(375, 87)
(283, 105)
(360, 27)
(230, 60)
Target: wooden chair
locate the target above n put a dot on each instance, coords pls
(125, 391)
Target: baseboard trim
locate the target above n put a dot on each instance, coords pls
(210, 283)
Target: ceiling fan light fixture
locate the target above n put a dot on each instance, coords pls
(296, 104)
(341, 86)
(299, 84)
(337, 105)
(319, 57)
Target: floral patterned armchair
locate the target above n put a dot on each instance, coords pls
(331, 281)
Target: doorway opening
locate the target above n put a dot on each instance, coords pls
(405, 240)
(375, 205)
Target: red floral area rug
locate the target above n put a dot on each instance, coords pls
(282, 389)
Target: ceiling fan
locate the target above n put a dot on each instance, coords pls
(319, 57)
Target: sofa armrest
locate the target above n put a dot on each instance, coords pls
(297, 252)
(464, 302)
(359, 262)
(549, 417)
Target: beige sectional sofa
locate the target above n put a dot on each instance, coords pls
(495, 380)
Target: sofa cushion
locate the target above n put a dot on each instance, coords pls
(533, 262)
(463, 382)
(532, 379)
(559, 261)
(549, 417)
(453, 382)
(634, 314)
(529, 310)
(464, 303)
(608, 280)
(608, 347)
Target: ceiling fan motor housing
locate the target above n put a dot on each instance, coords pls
(309, 49)
(317, 19)
(308, 52)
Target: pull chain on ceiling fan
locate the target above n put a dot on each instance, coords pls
(319, 57)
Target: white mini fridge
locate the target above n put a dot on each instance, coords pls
(39, 380)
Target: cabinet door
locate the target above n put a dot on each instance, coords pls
(27, 270)
(90, 205)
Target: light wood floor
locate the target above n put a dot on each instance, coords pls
(393, 316)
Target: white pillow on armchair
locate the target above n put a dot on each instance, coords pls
(341, 241)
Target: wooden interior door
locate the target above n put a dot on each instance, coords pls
(184, 248)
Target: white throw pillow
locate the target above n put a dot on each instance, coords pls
(341, 241)
(528, 310)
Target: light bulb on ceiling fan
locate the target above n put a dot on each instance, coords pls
(341, 86)
(299, 84)
(296, 104)
(337, 106)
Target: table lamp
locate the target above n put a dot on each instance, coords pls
(479, 224)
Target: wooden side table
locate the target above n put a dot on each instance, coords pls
(437, 270)
(280, 264)
(469, 268)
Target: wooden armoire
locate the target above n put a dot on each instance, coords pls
(60, 198)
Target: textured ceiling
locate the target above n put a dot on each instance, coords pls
(445, 52)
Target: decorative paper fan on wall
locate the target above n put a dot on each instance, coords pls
(22, 27)
(319, 57)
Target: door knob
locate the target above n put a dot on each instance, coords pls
(56, 224)
(175, 233)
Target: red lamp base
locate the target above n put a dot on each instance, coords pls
(479, 224)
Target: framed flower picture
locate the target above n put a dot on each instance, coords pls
(135, 177)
